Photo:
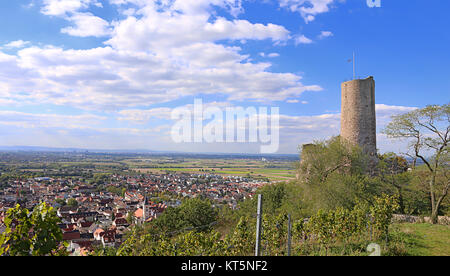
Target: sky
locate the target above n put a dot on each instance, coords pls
(107, 74)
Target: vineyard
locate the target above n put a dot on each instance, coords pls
(341, 231)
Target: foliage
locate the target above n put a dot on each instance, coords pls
(327, 228)
(198, 213)
(381, 213)
(32, 233)
(243, 238)
(72, 202)
(274, 235)
(185, 244)
(278, 198)
(61, 201)
(192, 213)
(274, 196)
(335, 174)
(428, 131)
(119, 191)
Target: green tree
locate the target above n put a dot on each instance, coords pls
(393, 171)
(171, 220)
(428, 130)
(273, 196)
(60, 201)
(130, 218)
(192, 213)
(36, 233)
(335, 174)
(72, 202)
(198, 213)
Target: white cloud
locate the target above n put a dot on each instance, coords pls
(87, 24)
(301, 39)
(307, 8)
(106, 78)
(63, 7)
(30, 120)
(17, 44)
(164, 31)
(84, 24)
(387, 109)
(86, 131)
(270, 55)
(325, 34)
(141, 116)
(167, 51)
(82, 131)
(385, 112)
(297, 101)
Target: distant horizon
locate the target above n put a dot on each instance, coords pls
(136, 151)
(37, 149)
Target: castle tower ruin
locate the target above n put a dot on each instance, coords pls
(358, 119)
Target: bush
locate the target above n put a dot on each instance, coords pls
(328, 228)
(41, 223)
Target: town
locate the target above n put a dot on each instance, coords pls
(98, 212)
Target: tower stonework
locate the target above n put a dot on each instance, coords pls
(358, 119)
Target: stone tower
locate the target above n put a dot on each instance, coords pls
(358, 119)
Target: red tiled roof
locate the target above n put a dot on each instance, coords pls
(120, 221)
(139, 213)
(86, 224)
(67, 236)
(98, 232)
(108, 236)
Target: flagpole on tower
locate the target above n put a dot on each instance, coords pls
(354, 65)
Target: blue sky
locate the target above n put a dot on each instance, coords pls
(107, 73)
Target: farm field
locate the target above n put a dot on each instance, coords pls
(274, 171)
(117, 172)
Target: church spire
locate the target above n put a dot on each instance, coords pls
(144, 209)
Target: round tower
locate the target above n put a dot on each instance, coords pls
(358, 119)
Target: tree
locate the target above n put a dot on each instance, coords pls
(393, 170)
(60, 201)
(198, 213)
(322, 159)
(130, 218)
(72, 202)
(192, 213)
(428, 131)
(36, 233)
(273, 195)
(334, 174)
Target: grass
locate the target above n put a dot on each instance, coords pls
(404, 240)
(422, 239)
